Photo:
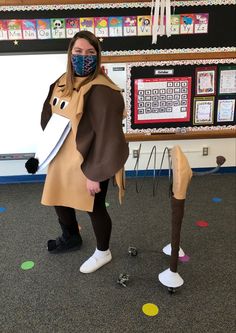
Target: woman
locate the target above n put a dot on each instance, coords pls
(94, 151)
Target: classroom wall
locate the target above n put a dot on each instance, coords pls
(24, 84)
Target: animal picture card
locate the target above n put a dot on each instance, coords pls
(3, 30)
(160, 28)
(29, 29)
(72, 27)
(186, 23)
(130, 25)
(101, 26)
(43, 28)
(201, 23)
(58, 28)
(14, 29)
(175, 24)
(115, 26)
(87, 23)
(144, 25)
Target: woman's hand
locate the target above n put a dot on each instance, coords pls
(93, 187)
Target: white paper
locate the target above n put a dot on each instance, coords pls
(52, 139)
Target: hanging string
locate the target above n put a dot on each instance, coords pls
(161, 21)
(159, 26)
(168, 18)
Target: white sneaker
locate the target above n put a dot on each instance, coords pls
(97, 260)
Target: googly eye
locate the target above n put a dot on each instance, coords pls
(63, 105)
(55, 101)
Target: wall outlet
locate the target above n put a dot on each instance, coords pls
(205, 151)
(135, 153)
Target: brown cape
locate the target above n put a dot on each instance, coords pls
(95, 148)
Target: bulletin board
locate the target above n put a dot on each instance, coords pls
(123, 27)
(181, 96)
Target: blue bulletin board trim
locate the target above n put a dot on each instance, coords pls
(129, 174)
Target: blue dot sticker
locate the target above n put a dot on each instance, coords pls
(216, 200)
(2, 209)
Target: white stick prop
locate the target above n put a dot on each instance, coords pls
(159, 27)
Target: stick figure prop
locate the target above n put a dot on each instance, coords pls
(182, 175)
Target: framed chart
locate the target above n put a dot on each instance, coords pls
(227, 80)
(226, 110)
(205, 81)
(203, 110)
(162, 100)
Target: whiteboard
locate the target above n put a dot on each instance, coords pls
(24, 85)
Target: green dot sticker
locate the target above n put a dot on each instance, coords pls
(150, 309)
(27, 265)
(107, 204)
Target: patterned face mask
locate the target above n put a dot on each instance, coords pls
(84, 65)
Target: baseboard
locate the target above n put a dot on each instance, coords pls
(129, 174)
(22, 179)
(165, 172)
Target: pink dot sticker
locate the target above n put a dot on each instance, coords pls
(184, 258)
(202, 224)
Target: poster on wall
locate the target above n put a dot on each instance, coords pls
(225, 110)
(162, 100)
(203, 109)
(206, 80)
(227, 80)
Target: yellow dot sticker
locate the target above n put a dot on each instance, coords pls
(150, 309)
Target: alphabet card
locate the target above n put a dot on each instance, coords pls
(201, 23)
(43, 28)
(130, 26)
(175, 24)
(115, 26)
(14, 29)
(186, 23)
(72, 27)
(29, 29)
(58, 28)
(87, 23)
(101, 26)
(3, 30)
(144, 25)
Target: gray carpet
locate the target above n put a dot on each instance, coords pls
(55, 297)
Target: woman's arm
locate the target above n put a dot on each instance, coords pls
(100, 138)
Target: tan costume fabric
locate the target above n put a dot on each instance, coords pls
(182, 173)
(65, 183)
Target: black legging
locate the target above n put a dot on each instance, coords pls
(100, 218)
